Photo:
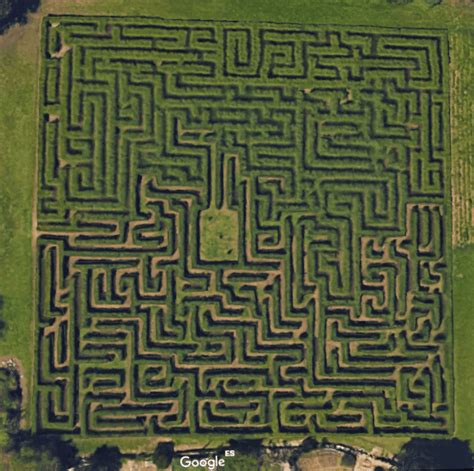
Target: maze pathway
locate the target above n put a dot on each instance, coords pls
(242, 228)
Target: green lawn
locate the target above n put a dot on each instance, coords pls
(18, 113)
(464, 347)
(17, 169)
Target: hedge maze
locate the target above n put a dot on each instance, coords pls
(242, 228)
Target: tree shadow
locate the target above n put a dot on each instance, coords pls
(105, 458)
(54, 445)
(424, 453)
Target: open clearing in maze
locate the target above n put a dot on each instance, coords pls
(242, 228)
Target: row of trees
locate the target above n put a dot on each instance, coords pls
(52, 453)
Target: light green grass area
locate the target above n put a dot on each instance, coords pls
(462, 147)
(464, 346)
(17, 169)
(18, 143)
(219, 230)
(372, 12)
(148, 444)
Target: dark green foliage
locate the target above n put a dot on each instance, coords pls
(15, 11)
(246, 445)
(163, 455)
(42, 452)
(105, 458)
(433, 3)
(399, 2)
(10, 401)
(6, 8)
(308, 444)
(348, 460)
(424, 454)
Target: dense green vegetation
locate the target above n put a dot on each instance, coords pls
(288, 412)
(163, 455)
(10, 405)
(105, 458)
(423, 454)
(37, 453)
(24, 451)
(15, 11)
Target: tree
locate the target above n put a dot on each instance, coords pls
(15, 11)
(424, 454)
(41, 452)
(163, 455)
(105, 458)
(349, 461)
(10, 400)
(30, 459)
(6, 8)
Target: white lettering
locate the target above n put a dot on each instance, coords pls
(210, 463)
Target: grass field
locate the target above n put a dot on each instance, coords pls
(17, 171)
(18, 133)
(463, 347)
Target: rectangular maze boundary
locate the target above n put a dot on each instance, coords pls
(242, 228)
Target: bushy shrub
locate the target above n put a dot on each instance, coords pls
(163, 455)
(348, 460)
(10, 400)
(105, 458)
